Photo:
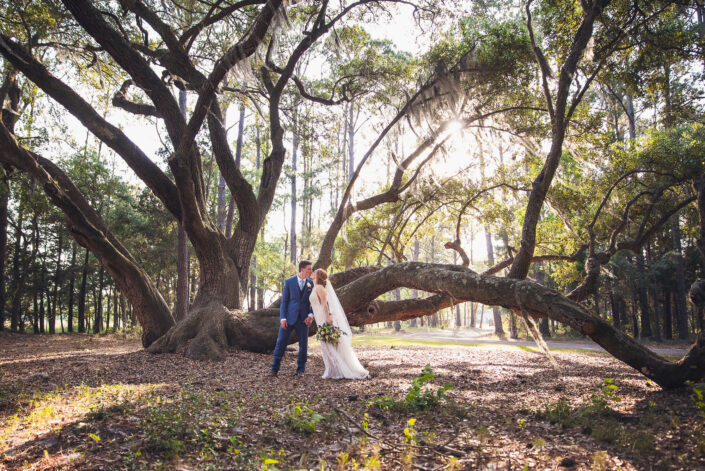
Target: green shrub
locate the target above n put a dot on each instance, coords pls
(418, 397)
(302, 418)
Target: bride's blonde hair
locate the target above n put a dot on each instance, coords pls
(321, 276)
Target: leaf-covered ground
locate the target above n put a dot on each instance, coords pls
(83, 402)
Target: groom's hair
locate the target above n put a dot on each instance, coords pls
(303, 264)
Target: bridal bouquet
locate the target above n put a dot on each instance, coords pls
(328, 333)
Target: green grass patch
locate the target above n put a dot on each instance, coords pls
(392, 340)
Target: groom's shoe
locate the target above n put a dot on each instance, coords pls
(299, 374)
(272, 373)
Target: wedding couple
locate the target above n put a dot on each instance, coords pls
(306, 297)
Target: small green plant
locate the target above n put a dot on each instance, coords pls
(193, 420)
(607, 431)
(302, 418)
(560, 413)
(418, 397)
(698, 397)
(600, 401)
(410, 432)
(599, 461)
(642, 441)
(342, 459)
(538, 443)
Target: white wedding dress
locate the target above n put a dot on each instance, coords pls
(340, 359)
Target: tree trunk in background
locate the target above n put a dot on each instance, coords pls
(253, 285)
(72, 280)
(98, 318)
(109, 297)
(35, 316)
(351, 142)
(397, 323)
(667, 315)
(123, 310)
(222, 207)
(41, 311)
(182, 291)
(292, 233)
(434, 317)
(4, 199)
(82, 294)
(238, 157)
(681, 307)
(498, 329)
(116, 318)
(635, 319)
(9, 119)
(473, 317)
(658, 312)
(643, 297)
(57, 281)
(544, 328)
(16, 260)
(415, 293)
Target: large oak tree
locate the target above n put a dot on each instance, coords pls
(120, 33)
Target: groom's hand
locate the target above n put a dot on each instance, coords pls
(285, 325)
(308, 321)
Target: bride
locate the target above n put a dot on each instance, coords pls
(340, 359)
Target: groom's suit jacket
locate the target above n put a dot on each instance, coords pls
(295, 305)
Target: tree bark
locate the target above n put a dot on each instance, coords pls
(98, 318)
(292, 231)
(541, 279)
(82, 294)
(681, 307)
(182, 262)
(57, 281)
(643, 297)
(90, 231)
(72, 280)
(4, 199)
(498, 329)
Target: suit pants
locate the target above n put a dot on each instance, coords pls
(283, 340)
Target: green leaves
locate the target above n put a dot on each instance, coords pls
(301, 418)
(418, 397)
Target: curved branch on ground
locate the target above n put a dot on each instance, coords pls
(537, 300)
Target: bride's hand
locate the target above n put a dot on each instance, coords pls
(329, 320)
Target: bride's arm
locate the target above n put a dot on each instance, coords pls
(323, 296)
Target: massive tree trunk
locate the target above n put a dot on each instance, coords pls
(257, 330)
(182, 254)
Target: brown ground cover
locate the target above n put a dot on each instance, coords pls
(85, 402)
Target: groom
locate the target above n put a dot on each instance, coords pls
(295, 314)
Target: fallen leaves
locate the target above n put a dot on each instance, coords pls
(81, 402)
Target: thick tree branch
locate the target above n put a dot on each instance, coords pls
(90, 231)
(120, 100)
(536, 300)
(542, 183)
(112, 136)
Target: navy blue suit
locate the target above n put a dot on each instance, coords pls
(295, 308)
